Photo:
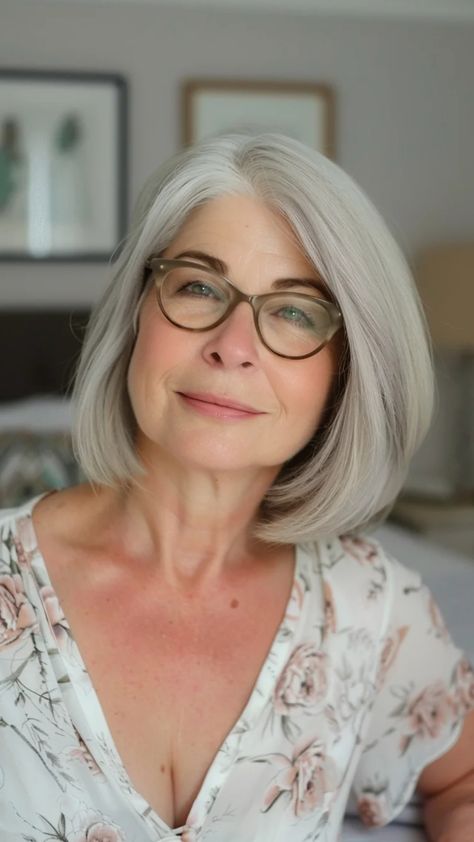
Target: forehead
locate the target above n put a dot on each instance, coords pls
(239, 226)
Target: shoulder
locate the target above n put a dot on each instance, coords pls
(44, 521)
(12, 515)
(9, 516)
(14, 530)
(12, 518)
(368, 552)
(364, 586)
(64, 518)
(361, 558)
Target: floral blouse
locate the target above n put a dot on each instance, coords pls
(361, 688)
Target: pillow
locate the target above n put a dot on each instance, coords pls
(31, 463)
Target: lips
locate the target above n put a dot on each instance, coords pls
(219, 400)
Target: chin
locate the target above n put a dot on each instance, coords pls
(214, 461)
(215, 450)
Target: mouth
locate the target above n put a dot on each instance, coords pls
(220, 401)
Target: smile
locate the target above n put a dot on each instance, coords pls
(217, 406)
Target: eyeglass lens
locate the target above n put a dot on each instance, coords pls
(289, 325)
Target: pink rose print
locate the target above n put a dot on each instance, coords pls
(55, 614)
(192, 828)
(16, 613)
(307, 777)
(296, 602)
(389, 652)
(428, 714)
(101, 832)
(373, 809)
(83, 754)
(303, 682)
(437, 620)
(26, 543)
(329, 608)
(363, 551)
(464, 687)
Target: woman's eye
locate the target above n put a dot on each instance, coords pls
(200, 289)
(295, 316)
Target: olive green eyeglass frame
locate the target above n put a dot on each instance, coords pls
(159, 266)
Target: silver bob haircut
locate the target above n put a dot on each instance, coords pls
(346, 479)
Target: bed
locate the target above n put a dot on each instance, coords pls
(39, 350)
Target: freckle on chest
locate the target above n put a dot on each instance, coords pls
(234, 603)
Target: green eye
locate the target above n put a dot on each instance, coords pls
(296, 316)
(199, 289)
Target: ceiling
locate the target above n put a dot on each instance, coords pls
(430, 9)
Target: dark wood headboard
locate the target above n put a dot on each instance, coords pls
(38, 351)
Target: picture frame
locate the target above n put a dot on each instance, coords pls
(63, 165)
(303, 110)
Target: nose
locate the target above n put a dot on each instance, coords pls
(235, 342)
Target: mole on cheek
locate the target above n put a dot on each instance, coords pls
(162, 768)
(234, 603)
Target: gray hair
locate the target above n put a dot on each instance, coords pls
(347, 477)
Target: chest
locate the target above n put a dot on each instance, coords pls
(173, 678)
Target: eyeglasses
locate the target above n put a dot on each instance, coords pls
(194, 297)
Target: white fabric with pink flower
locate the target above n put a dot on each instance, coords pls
(361, 688)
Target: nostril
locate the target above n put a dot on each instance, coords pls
(215, 356)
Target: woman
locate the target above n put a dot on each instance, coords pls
(199, 642)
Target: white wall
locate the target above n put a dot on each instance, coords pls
(405, 110)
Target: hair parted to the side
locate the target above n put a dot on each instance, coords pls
(347, 478)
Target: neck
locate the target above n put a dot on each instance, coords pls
(194, 524)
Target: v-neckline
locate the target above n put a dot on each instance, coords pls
(275, 659)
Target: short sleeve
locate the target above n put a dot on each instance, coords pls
(424, 688)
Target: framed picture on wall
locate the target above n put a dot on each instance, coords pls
(303, 110)
(63, 167)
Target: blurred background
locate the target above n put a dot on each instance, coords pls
(390, 84)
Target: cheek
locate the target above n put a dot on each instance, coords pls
(311, 386)
(158, 347)
(161, 350)
(307, 392)
(148, 360)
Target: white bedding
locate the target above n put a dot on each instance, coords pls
(355, 832)
(42, 413)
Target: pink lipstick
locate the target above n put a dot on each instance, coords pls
(218, 406)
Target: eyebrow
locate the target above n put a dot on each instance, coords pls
(281, 283)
